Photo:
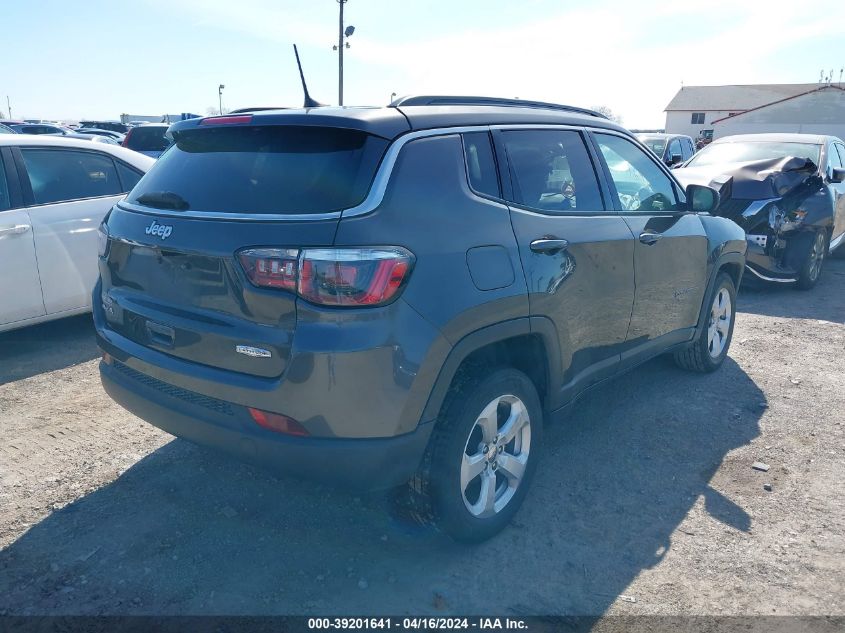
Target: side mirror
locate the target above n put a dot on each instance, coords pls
(676, 158)
(837, 175)
(701, 199)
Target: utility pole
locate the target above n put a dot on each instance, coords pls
(341, 34)
(340, 54)
(9, 106)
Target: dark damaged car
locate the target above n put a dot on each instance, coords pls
(786, 191)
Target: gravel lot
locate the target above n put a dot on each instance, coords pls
(646, 502)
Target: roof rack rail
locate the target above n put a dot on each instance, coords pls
(258, 109)
(421, 100)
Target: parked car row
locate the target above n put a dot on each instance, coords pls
(149, 138)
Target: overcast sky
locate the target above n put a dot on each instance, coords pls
(66, 59)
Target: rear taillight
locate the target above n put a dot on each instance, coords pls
(125, 142)
(351, 277)
(271, 267)
(277, 422)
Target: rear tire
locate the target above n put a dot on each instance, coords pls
(710, 348)
(482, 455)
(813, 261)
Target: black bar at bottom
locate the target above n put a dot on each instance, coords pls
(297, 624)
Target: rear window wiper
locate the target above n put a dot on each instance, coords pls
(163, 200)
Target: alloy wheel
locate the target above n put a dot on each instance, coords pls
(816, 257)
(721, 313)
(495, 456)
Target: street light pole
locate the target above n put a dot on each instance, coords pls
(340, 53)
(220, 96)
(9, 106)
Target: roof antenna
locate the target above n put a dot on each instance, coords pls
(309, 102)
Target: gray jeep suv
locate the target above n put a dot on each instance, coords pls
(378, 296)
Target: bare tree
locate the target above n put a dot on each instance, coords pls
(610, 114)
(212, 111)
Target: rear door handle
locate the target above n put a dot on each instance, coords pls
(649, 238)
(17, 229)
(548, 245)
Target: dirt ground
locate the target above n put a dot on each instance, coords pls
(646, 501)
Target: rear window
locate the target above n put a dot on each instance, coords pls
(148, 139)
(263, 169)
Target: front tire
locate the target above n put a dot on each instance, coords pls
(483, 454)
(710, 348)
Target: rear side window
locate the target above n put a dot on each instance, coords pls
(59, 175)
(552, 171)
(263, 169)
(481, 165)
(148, 139)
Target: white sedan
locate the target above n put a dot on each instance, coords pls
(54, 192)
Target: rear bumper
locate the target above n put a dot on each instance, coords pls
(359, 464)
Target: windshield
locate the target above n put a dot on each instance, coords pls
(747, 151)
(656, 145)
(263, 169)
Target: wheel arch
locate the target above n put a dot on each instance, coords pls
(512, 343)
(733, 263)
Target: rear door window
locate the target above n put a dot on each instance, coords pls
(551, 171)
(274, 169)
(58, 175)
